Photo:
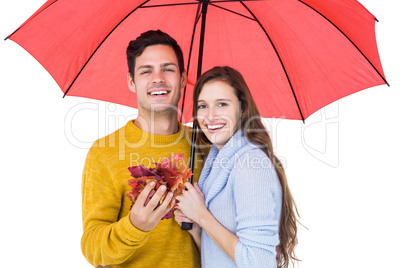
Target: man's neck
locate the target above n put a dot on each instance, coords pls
(159, 125)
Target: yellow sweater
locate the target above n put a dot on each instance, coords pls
(109, 237)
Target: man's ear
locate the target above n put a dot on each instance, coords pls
(183, 80)
(130, 83)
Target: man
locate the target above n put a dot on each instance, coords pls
(113, 234)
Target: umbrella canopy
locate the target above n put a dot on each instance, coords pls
(296, 56)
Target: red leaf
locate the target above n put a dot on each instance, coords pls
(171, 172)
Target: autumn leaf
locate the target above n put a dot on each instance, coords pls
(171, 172)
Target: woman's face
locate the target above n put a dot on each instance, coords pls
(218, 111)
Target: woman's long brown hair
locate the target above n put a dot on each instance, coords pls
(251, 120)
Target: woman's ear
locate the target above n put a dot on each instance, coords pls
(241, 109)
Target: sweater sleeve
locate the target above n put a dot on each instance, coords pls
(258, 198)
(105, 240)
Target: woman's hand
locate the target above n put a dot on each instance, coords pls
(192, 202)
(191, 208)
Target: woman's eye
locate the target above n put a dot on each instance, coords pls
(201, 106)
(221, 104)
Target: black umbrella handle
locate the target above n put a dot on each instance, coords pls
(186, 226)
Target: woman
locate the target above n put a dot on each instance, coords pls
(242, 209)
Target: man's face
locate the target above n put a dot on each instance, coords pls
(157, 80)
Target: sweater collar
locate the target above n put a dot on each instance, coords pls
(235, 143)
(217, 165)
(135, 134)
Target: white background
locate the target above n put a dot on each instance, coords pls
(343, 165)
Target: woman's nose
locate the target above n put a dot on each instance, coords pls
(211, 114)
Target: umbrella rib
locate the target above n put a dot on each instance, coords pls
(197, 18)
(224, 1)
(100, 44)
(168, 5)
(383, 78)
(194, 3)
(8, 37)
(233, 12)
(279, 57)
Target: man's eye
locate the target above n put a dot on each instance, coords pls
(169, 70)
(145, 72)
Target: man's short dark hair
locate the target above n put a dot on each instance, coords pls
(151, 38)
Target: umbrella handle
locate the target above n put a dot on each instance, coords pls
(186, 226)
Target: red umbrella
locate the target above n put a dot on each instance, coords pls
(296, 56)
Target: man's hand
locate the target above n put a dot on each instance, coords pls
(145, 218)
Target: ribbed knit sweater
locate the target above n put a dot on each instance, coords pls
(243, 193)
(109, 237)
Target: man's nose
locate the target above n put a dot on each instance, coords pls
(158, 77)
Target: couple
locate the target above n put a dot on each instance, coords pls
(241, 207)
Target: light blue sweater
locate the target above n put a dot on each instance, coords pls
(243, 193)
